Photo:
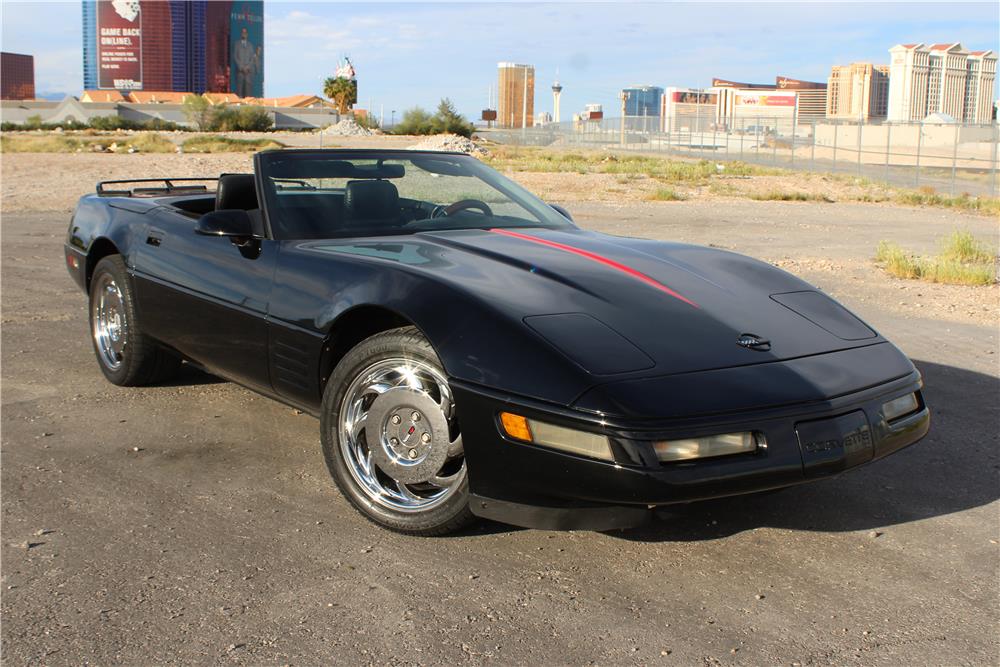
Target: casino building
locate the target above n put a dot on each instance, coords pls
(17, 76)
(192, 46)
(739, 106)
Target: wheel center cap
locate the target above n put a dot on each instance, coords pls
(412, 435)
(114, 325)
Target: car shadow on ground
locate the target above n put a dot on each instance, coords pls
(190, 376)
(954, 468)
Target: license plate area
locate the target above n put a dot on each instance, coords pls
(829, 446)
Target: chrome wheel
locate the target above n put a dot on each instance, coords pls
(399, 436)
(110, 326)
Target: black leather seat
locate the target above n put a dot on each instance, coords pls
(371, 204)
(236, 191)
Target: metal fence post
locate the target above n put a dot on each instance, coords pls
(836, 133)
(812, 151)
(954, 159)
(861, 127)
(791, 162)
(888, 148)
(774, 143)
(742, 134)
(994, 156)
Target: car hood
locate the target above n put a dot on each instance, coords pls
(622, 306)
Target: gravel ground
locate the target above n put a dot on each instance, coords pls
(195, 522)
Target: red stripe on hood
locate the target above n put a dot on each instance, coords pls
(600, 260)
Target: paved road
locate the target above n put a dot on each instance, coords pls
(195, 523)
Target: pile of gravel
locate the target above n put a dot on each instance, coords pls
(450, 142)
(347, 127)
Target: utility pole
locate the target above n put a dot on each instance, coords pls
(623, 96)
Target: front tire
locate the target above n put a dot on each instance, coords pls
(390, 436)
(126, 355)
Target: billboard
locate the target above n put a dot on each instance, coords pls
(119, 44)
(778, 100)
(692, 97)
(246, 50)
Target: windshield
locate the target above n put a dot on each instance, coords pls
(331, 194)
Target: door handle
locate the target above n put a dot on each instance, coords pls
(154, 238)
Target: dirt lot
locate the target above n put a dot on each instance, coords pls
(195, 523)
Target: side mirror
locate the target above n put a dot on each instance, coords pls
(234, 223)
(561, 211)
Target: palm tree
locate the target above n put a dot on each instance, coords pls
(343, 92)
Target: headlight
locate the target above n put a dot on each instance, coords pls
(710, 445)
(900, 407)
(556, 437)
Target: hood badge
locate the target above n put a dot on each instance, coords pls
(753, 342)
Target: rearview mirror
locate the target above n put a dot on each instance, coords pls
(234, 223)
(561, 211)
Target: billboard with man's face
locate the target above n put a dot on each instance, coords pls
(119, 44)
(246, 48)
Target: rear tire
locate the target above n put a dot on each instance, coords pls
(126, 355)
(390, 436)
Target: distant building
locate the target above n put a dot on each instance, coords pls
(927, 79)
(758, 109)
(174, 45)
(556, 94)
(810, 97)
(515, 95)
(785, 103)
(643, 100)
(859, 91)
(688, 110)
(642, 107)
(762, 106)
(592, 113)
(17, 76)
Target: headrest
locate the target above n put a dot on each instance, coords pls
(236, 191)
(371, 200)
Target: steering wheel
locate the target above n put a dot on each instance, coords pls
(462, 205)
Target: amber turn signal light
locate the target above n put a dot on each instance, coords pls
(516, 426)
(556, 437)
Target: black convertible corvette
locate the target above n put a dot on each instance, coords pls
(469, 351)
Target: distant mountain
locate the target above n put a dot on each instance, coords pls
(48, 95)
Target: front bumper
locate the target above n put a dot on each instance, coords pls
(537, 487)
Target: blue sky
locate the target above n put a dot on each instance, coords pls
(411, 54)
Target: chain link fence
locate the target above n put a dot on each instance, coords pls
(949, 158)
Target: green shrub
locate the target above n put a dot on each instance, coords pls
(927, 197)
(963, 261)
(367, 121)
(45, 143)
(962, 246)
(216, 144)
(446, 121)
(150, 142)
(781, 195)
(666, 194)
(239, 119)
(414, 121)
